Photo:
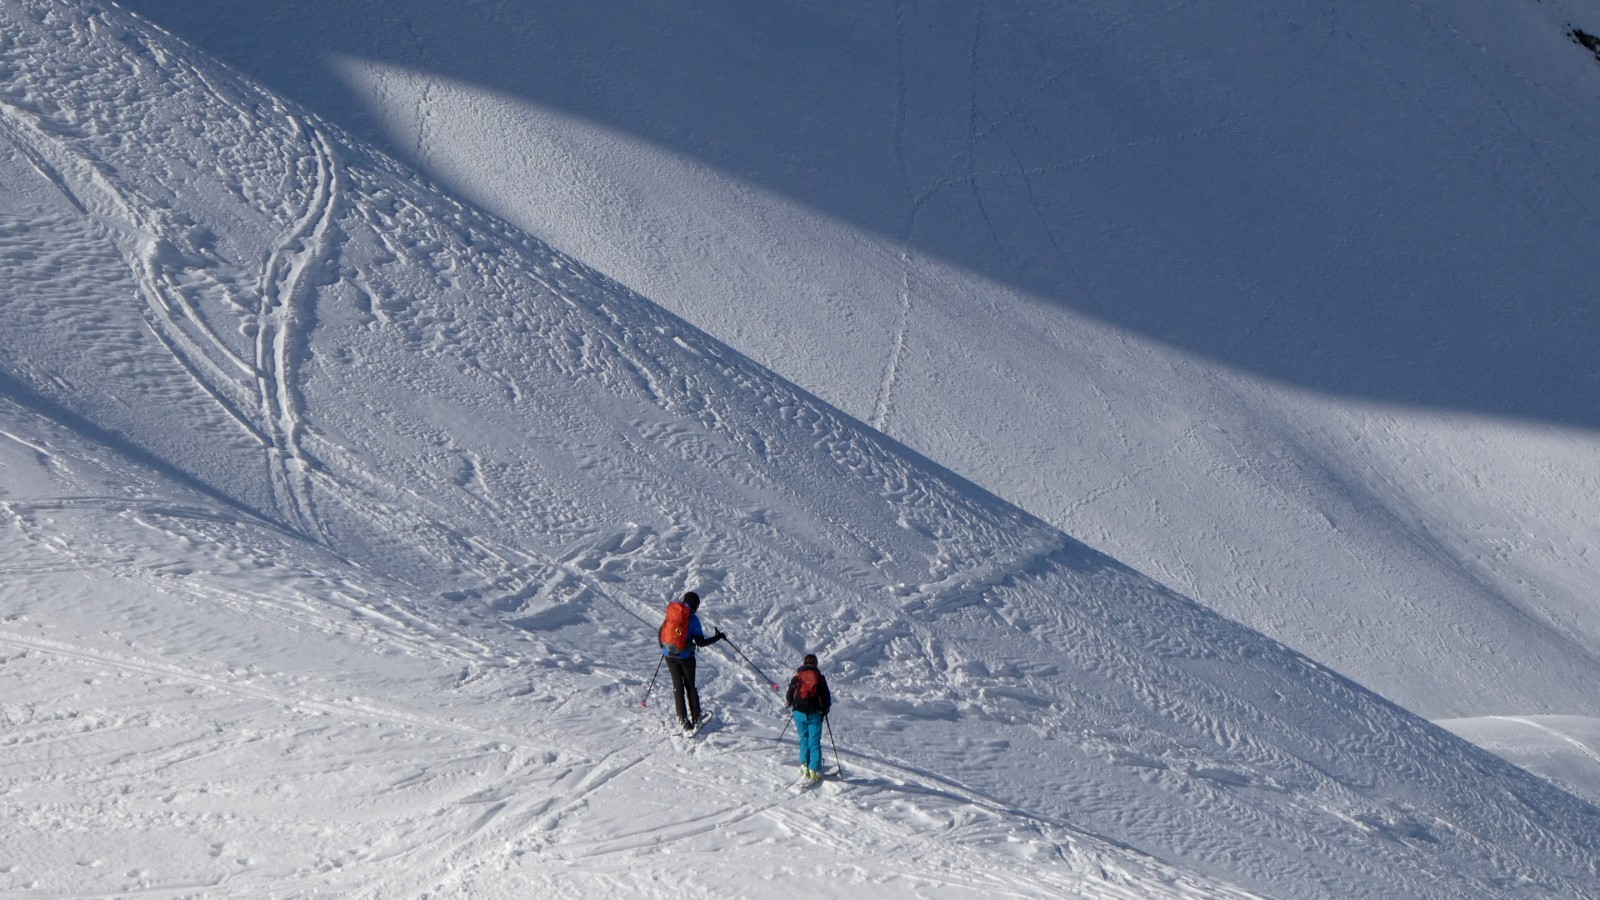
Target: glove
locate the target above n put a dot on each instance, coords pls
(718, 636)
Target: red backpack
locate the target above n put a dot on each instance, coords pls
(674, 634)
(807, 682)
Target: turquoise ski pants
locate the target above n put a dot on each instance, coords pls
(809, 727)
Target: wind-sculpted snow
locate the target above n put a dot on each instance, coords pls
(366, 505)
(1275, 301)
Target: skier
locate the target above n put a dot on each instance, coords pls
(809, 698)
(680, 634)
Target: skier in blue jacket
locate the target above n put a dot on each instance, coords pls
(808, 696)
(680, 665)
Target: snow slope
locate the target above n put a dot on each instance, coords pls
(1565, 749)
(340, 516)
(1287, 304)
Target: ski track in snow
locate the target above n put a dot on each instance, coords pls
(282, 286)
(163, 260)
(950, 176)
(1009, 394)
(1581, 747)
(534, 787)
(344, 710)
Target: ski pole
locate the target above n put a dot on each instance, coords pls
(729, 641)
(786, 730)
(838, 766)
(645, 701)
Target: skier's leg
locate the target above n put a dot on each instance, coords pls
(692, 691)
(810, 727)
(816, 742)
(675, 669)
(800, 735)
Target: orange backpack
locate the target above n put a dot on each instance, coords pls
(674, 634)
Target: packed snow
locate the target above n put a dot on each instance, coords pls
(340, 515)
(1288, 304)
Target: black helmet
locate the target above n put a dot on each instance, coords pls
(693, 599)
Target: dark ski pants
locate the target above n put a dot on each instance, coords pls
(682, 672)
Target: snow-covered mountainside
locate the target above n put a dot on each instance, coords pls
(339, 517)
(1287, 304)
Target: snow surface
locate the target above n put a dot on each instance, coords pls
(1565, 749)
(1288, 304)
(340, 516)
